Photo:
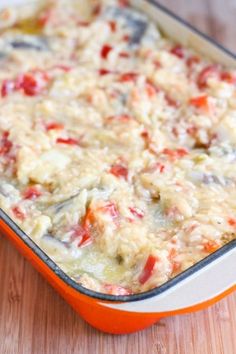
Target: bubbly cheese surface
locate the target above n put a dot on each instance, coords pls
(117, 146)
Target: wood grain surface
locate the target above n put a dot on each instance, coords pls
(35, 320)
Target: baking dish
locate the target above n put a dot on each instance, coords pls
(195, 288)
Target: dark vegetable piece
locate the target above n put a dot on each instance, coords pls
(134, 22)
(33, 43)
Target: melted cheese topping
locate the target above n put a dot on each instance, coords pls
(117, 146)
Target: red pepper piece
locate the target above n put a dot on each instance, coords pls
(54, 126)
(178, 153)
(178, 51)
(84, 237)
(62, 67)
(151, 89)
(45, 17)
(126, 77)
(113, 25)
(206, 73)
(137, 212)
(148, 269)
(112, 289)
(192, 61)
(104, 72)
(111, 209)
(18, 213)
(83, 23)
(171, 102)
(124, 55)
(210, 246)
(120, 117)
(32, 83)
(5, 144)
(192, 130)
(160, 167)
(31, 193)
(97, 10)
(228, 77)
(123, 3)
(83, 231)
(232, 221)
(176, 266)
(126, 38)
(8, 86)
(67, 141)
(200, 102)
(106, 49)
(157, 64)
(120, 171)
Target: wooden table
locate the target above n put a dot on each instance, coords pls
(35, 320)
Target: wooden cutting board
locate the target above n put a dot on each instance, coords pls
(35, 320)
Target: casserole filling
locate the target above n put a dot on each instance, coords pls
(117, 146)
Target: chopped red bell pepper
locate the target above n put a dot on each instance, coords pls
(120, 117)
(206, 73)
(32, 83)
(123, 3)
(124, 55)
(232, 221)
(200, 102)
(137, 212)
(151, 89)
(120, 171)
(83, 231)
(112, 289)
(130, 76)
(111, 209)
(65, 68)
(148, 269)
(171, 102)
(178, 51)
(54, 126)
(210, 246)
(83, 235)
(145, 135)
(67, 141)
(176, 266)
(175, 154)
(8, 86)
(83, 23)
(157, 64)
(192, 60)
(5, 143)
(106, 49)
(160, 167)
(126, 38)
(97, 10)
(192, 130)
(104, 72)
(31, 193)
(18, 213)
(113, 25)
(228, 77)
(45, 17)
